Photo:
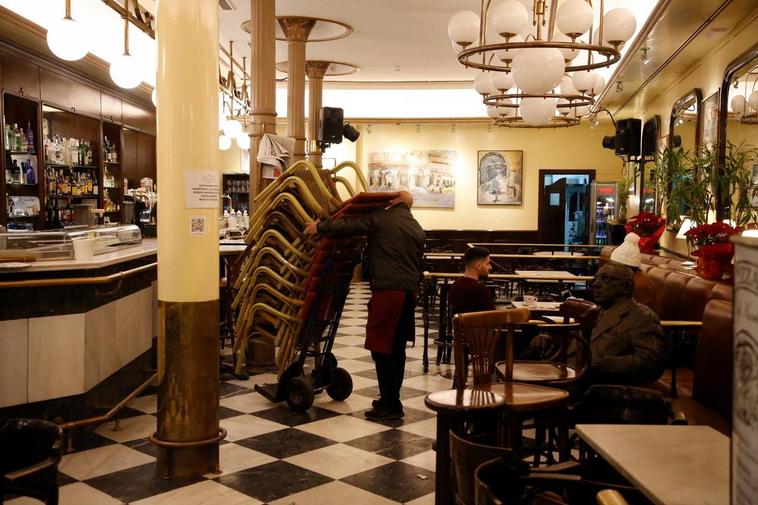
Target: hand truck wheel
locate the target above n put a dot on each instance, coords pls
(299, 394)
(341, 386)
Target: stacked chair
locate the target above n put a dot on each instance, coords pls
(291, 288)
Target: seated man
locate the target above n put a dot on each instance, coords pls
(627, 344)
(468, 294)
(628, 254)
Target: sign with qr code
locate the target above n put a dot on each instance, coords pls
(197, 225)
(202, 189)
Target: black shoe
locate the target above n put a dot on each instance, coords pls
(385, 413)
(376, 403)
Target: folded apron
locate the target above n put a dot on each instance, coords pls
(385, 311)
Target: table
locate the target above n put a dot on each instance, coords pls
(670, 465)
(553, 275)
(540, 308)
(451, 405)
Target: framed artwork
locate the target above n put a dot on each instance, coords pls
(710, 123)
(428, 175)
(499, 177)
(753, 189)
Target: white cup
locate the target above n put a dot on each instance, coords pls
(530, 300)
(84, 248)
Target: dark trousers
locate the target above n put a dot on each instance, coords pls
(390, 368)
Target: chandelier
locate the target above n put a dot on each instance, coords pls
(745, 105)
(538, 60)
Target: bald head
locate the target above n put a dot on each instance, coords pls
(405, 197)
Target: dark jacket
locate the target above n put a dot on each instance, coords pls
(628, 345)
(395, 245)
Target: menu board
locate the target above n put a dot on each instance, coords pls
(744, 468)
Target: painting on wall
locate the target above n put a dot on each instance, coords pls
(428, 175)
(499, 177)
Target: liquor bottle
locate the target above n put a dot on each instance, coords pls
(29, 138)
(7, 136)
(56, 215)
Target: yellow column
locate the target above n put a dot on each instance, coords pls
(188, 250)
(315, 70)
(296, 30)
(263, 81)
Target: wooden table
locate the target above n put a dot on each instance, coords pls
(451, 406)
(552, 275)
(670, 465)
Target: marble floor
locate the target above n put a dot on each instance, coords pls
(331, 454)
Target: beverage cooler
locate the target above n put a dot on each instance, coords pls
(604, 197)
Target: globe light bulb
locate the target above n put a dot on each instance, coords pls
(537, 111)
(598, 86)
(483, 84)
(753, 100)
(507, 55)
(738, 106)
(503, 109)
(232, 128)
(618, 25)
(502, 81)
(463, 28)
(126, 71)
(66, 39)
(492, 112)
(224, 142)
(574, 17)
(568, 54)
(509, 18)
(243, 140)
(567, 86)
(583, 81)
(538, 70)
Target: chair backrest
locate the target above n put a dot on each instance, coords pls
(26, 442)
(465, 457)
(479, 332)
(498, 482)
(672, 296)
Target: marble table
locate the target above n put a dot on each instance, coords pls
(670, 465)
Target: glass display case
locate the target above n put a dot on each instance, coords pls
(36, 246)
(109, 238)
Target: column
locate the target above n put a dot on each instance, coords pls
(188, 253)
(296, 30)
(263, 83)
(315, 70)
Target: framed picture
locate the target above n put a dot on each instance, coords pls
(499, 177)
(428, 175)
(709, 135)
(753, 189)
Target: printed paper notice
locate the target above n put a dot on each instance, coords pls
(201, 189)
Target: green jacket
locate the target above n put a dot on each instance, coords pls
(395, 245)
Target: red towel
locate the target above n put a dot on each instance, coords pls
(384, 311)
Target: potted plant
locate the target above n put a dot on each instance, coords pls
(713, 250)
(649, 227)
(672, 172)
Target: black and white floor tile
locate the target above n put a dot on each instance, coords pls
(330, 454)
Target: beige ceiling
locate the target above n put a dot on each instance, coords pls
(678, 39)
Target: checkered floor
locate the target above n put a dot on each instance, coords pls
(331, 454)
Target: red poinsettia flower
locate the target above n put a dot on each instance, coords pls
(712, 240)
(645, 224)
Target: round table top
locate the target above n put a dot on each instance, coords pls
(529, 371)
(468, 399)
(525, 397)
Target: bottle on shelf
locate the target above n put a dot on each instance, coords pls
(29, 138)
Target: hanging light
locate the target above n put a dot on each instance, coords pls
(232, 128)
(126, 70)
(738, 106)
(66, 39)
(537, 46)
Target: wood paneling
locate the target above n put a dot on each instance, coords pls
(138, 118)
(110, 107)
(129, 161)
(146, 156)
(20, 76)
(69, 94)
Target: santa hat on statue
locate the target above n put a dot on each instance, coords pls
(628, 253)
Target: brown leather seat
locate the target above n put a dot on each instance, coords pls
(672, 304)
(697, 293)
(645, 267)
(655, 260)
(711, 401)
(723, 291)
(658, 276)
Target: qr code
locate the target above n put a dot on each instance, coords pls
(197, 225)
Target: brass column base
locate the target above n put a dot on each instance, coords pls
(188, 389)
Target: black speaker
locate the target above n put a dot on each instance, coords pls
(650, 137)
(331, 125)
(628, 132)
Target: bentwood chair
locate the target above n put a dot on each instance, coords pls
(30, 450)
(479, 333)
(507, 480)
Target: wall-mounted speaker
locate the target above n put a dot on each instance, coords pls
(331, 119)
(628, 133)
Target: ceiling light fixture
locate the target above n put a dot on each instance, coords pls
(644, 56)
(126, 70)
(619, 86)
(66, 39)
(530, 54)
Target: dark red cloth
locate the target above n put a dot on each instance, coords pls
(469, 295)
(384, 313)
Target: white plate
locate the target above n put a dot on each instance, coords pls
(13, 265)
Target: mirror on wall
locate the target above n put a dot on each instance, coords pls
(684, 123)
(738, 152)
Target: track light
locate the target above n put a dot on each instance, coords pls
(619, 86)
(645, 57)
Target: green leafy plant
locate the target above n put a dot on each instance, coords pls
(670, 177)
(736, 182)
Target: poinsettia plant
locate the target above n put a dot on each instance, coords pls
(712, 240)
(649, 227)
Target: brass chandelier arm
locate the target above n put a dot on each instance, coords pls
(612, 54)
(583, 100)
(555, 122)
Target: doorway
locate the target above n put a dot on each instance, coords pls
(564, 206)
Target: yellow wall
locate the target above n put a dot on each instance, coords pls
(563, 149)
